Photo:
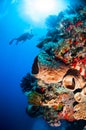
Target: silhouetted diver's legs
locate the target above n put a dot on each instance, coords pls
(11, 41)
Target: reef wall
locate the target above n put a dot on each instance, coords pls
(56, 88)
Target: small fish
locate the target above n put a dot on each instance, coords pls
(85, 75)
(70, 27)
(76, 42)
(42, 89)
(55, 107)
(84, 60)
(80, 70)
(78, 23)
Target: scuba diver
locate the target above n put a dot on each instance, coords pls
(23, 37)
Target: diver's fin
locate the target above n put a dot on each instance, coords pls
(11, 41)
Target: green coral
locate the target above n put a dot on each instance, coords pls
(35, 98)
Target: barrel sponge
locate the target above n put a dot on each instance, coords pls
(73, 80)
(80, 97)
(80, 111)
(51, 75)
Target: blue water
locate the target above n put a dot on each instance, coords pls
(15, 62)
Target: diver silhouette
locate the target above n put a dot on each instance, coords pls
(23, 37)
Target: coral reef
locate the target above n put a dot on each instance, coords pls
(56, 88)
